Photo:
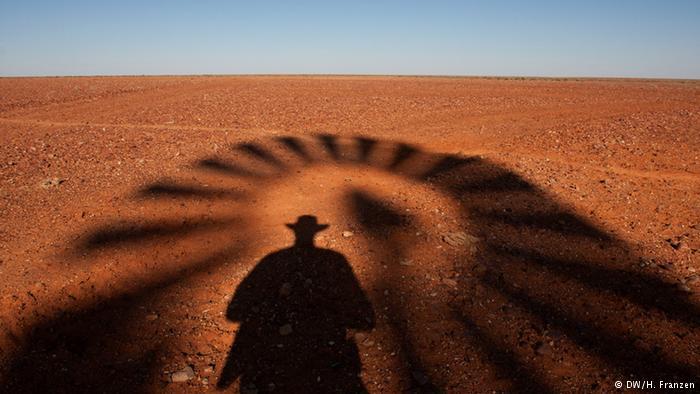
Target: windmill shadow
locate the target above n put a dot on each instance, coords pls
(295, 309)
(555, 276)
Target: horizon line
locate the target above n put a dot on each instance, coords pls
(368, 75)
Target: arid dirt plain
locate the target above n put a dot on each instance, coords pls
(483, 234)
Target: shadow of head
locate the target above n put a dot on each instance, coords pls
(305, 230)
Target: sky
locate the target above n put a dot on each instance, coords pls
(612, 38)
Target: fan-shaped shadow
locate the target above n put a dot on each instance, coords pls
(551, 269)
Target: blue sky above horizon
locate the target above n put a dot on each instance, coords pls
(535, 38)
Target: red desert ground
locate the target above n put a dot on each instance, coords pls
(316, 234)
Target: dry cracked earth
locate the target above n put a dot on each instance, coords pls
(348, 234)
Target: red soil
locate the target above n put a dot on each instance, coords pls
(509, 235)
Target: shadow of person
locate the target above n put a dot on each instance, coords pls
(295, 309)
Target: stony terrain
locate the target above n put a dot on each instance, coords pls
(532, 235)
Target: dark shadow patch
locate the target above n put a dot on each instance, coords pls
(403, 153)
(295, 145)
(379, 219)
(133, 232)
(175, 190)
(330, 144)
(447, 164)
(524, 379)
(93, 349)
(295, 308)
(618, 348)
(508, 182)
(365, 146)
(374, 214)
(559, 222)
(261, 154)
(644, 290)
(217, 165)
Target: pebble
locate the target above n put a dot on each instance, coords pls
(183, 375)
(208, 370)
(51, 182)
(151, 317)
(450, 282)
(286, 329)
(692, 279)
(677, 244)
(347, 234)
(459, 238)
(406, 263)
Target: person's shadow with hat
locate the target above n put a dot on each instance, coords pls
(294, 309)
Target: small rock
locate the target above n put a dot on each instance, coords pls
(347, 234)
(208, 370)
(684, 288)
(183, 375)
(286, 329)
(151, 317)
(360, 337)
(677, 244)
(450, 282)
(51, 182)
(694, 278)
(459, 238)
(406, 263)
